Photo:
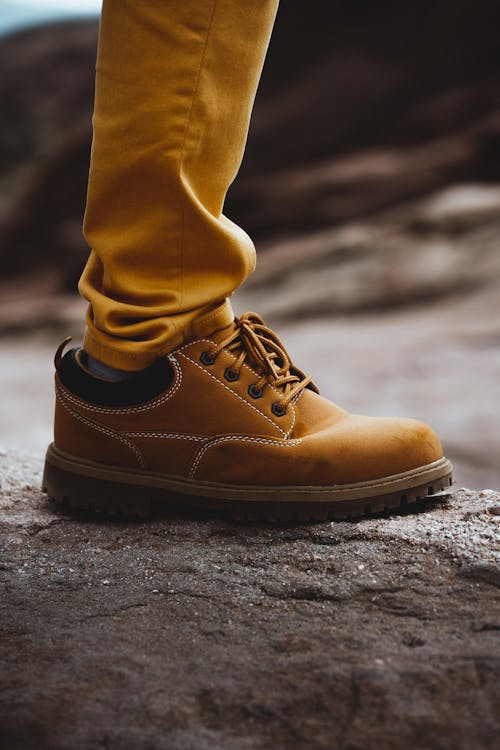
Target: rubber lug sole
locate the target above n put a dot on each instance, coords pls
(135, 500)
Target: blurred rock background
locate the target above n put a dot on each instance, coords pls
(371, 184)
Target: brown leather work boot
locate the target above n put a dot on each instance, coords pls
(227, 422)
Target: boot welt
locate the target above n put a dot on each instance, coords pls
(134, 492)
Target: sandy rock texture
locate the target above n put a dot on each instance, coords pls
(194, 632)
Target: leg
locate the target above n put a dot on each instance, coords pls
(225, 420)
(175, 84)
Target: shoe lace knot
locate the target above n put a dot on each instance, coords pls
(253, 342)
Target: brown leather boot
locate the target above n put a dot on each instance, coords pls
(227, 422)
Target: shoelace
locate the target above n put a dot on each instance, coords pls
(253, 340)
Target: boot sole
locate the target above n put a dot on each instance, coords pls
(134, 493)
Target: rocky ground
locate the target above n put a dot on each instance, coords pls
(371, 186)
(195, 632)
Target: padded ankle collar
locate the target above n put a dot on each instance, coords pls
(144, 386)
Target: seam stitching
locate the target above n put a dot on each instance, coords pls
(167, 435)
(297, 398)
(236, 395)
(159, 401)
(183, 147)
(289, 432)
(209, 341)
(243, 439)
(180, 349)
(104, 430)
(250, 369)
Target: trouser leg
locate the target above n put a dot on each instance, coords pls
(175, 84)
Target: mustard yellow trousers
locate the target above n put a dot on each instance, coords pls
(175, 84)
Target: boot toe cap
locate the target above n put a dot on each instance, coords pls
(369, 448)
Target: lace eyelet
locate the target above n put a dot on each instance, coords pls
(231, 375)
(206, 358)
(255, 392)
(278, 409)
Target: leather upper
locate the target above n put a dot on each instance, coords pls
(208, 427)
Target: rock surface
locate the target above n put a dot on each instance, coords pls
(194, 632)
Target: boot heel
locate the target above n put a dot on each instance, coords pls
(86, 493)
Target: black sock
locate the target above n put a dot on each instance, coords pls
(102, 370)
